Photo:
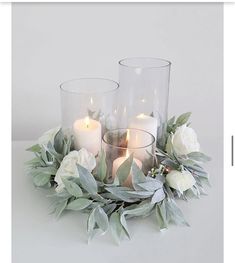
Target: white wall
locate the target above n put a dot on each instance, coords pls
(57, 42)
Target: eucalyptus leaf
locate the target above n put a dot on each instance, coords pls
(87, 180)
(72, 187)
(79, 204)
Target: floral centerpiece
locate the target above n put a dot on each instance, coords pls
(80, 180)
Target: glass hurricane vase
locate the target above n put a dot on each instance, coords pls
(143, 94)
(88, 110)
(119, 144)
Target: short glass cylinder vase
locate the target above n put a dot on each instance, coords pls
(88, 108)
(143, 94)
(119, 144)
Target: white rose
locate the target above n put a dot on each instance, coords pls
(48, 136)
(68, 165)
(181, 181)
(184, 140)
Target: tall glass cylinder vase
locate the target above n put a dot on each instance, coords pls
(88, 110)
(143, 94)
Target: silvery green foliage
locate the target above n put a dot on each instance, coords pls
(191, 162)
(110, 205)
(46, 162)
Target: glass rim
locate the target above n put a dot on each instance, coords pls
(62, 88)
(122, 62)
(131, 148)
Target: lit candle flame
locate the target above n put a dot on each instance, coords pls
(87, 122)
(91, 101)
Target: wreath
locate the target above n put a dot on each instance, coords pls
(79, 179)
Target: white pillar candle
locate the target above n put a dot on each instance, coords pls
(140, 140)
(116, 164)
(87, 133)
(146, 123)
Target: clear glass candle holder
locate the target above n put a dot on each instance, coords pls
(143, 93)
(88, 110)
(119, 144)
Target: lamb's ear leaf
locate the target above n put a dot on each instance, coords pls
(124, 225)
(72, 187)
(87, 180)
(97, 221)
(138, 177)
(199, 157)
(161, 215)
(158, 196)
(60, 207)
(116, 227)
(79, 204)
(124, 169)
(59, 141)
(102, 166)
(40, 178)
(34, 148)
(101, 219)
(183, 118)
(174, 213)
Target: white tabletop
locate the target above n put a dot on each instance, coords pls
(39, 237)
